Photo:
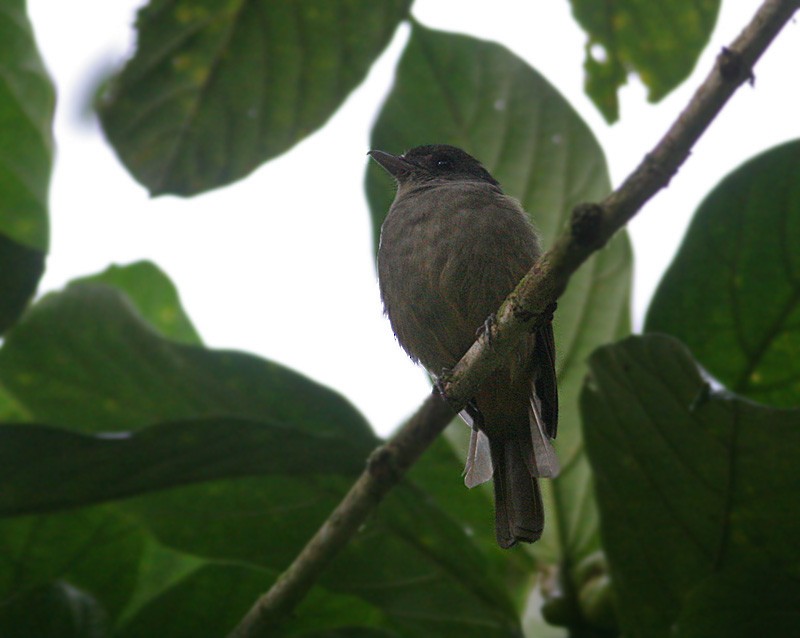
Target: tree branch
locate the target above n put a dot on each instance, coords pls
(528, 306)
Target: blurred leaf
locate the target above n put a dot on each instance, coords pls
(207, 602)
(324, 614)
(212, 600)
(410, 560)
(464, 593)
(21, 268)
(43, 468)
(55, 610)
(27, 102)
(216, 89)
(154, 295)
(732, 293)
(10, 409)
(693, 485)
(478, 96)
(441, 471)
(659, 41)
(158, 568)
(741, 603)
(128, 570)
(95, 550)
(84, 358)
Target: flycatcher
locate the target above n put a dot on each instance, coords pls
(452, 247)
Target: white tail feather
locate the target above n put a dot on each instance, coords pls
(545, 460)
(479, 460)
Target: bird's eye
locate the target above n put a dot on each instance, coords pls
(443, 163)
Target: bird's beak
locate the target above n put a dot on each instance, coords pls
(395, 165)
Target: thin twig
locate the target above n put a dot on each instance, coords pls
(531, 303)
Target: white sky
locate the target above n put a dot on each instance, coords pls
(280, 264)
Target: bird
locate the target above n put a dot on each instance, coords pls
(452, 247)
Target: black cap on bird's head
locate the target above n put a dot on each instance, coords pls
(439, 162)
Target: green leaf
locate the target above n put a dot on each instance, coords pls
(732, 294)
(208, 602)
(95, 550)
(441, 471)
(10, 409)
(85, 359)
(217, 88)
(21, 268)
(659, 41)
(479, 96)
(154, 295)
(464, 592)
(410, 560)
(27, 102)
(56, 610)
(695, 487)
(157, 569)
(741, 603)
(43, 468)
(211, 600)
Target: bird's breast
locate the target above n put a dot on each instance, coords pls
(448, 257)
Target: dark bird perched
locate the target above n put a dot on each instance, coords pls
(452, 248)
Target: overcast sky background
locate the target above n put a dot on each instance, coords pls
(281, 263)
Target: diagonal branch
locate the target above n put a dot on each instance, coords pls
(528, 306)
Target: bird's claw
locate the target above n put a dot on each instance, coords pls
(441, 381)
(486, 328)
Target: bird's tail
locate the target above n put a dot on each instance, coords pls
(519, 513)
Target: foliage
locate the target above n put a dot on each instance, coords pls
(660, 43)
(154, 486)
(27, 101)
(740, 311)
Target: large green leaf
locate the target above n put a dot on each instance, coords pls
(217, 88)
(479, 96)
(659, 41)
(45, 468)
(698, 493)
(207, 602)
(410, 560)
(415, 535)
(732, 293)
(54, 610)
(27, 101)
(147, 585)
(85, 359)
(440, 470)
(154, 295)
(98, 551)
(211, 600)
(10, 409)
(151, 291)
(21, 267)
(94, 573)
